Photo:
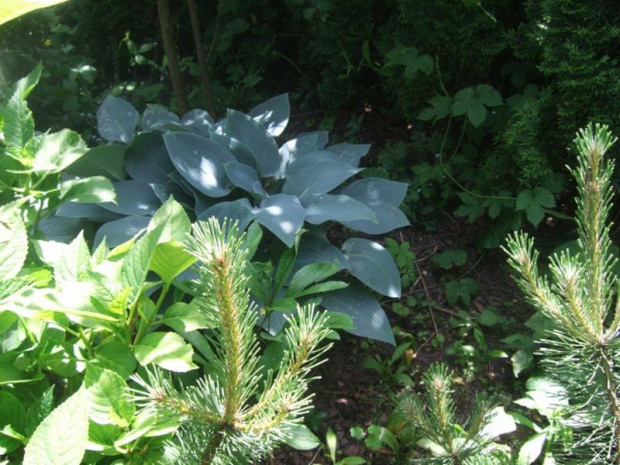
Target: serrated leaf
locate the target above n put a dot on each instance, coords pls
(167, 350)
(39, 411)
(105, 160)
(476, 113)
(88, 190)
(175, 221)
(373, 265)
(13, 414)
(170, 260)
(18, 126)
(13, 242)
(58, 151)
(200, 161)
(62, 437)
(488, 95)
(449, 258)
(183, 317)
(117, 357)
(108, 397)
(116, 120)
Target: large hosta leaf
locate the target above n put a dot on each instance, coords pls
(382, 196)
(116, 120)
(238, 210)
(273, 114)
(155, 116)
(317, 173)
(325, 207)
(118, 231)
(314, 248)
(245, 177)
(147, 159)
(352, 153)
(201, 162)
(134, 198)
(366, 313)
(62, 437)
(88, 190)
(373, 265)
(256, 138)
(283, 215)
(296, 148)
(198, 120)
(239, 151)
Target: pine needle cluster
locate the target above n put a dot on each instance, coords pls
(238, 412)
(580, 299)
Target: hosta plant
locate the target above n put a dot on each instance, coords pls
(579, 298)
(236, 168)
(239, 412)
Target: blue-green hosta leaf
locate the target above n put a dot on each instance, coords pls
(244, 177)
(256, 138)
(62, 437)
(13, 242)
(382, 196)
(238, 210)
(283, 215)
(155, 116)
(87, 211)
(325, 207)
(116, 120)
(198, 120)
(108, 397)
(296, 148)
(351, 153)
(147, 159)
(119, 231)
(368, 317)
(239, 151)
(373, 265)
(59, 150)
(88, 190)
(167, 350)
(315, 248)
(134, 198)
(317, 173)
(105, 160)
(61, 229)
(273, 114)
(201, 162)
(13, 414)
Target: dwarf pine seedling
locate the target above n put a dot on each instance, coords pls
(238, 412)
(580, 299)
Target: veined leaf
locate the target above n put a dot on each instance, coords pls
(273, 114)
(59, 150)
(170, 260)
(176, 222)
(168, 350)
(373, 265)
(18, 127)
(311, 274)
(13, 414)
(283, 215)
(133, 198)
(88, 190)
(325, 207)
(183, 318)
(116, 120)
(62, 437)
(108, 399)
(13, 241)
(105, 160)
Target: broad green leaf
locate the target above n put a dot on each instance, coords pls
(314, 248)
(25, 85)
(115, 356)
(534, 201)
(14, 8)
(299, 437)
(134, 198)
(283, 270)
(310, 274)
(137, 262)
(88, 190)
(488, 95)
(101, 438)
(176, 222)
(120, 231)
(365, 311)
(69, 261)
(147, 159)
(108, 397)
(200, 161)
(62, 437)
(117, 120)
(13, 242)
(322, 287)
(13, 414)
(183, 317)
(296, 148)
(373, 265)
(39, 411)
(351, 153)
(473, 102)
(441, 108)
(239, 210)
(168, 350)
(461, 289)
(284, 305)
(170, 260)
(155, 116)
(531, 449)
(245, 177)
(273, 114)
(255, 137)
(105, 160)
(448, 258)
(489, 317)
(283, 215)
(18, 127)
(59, 151)
(498, 423)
